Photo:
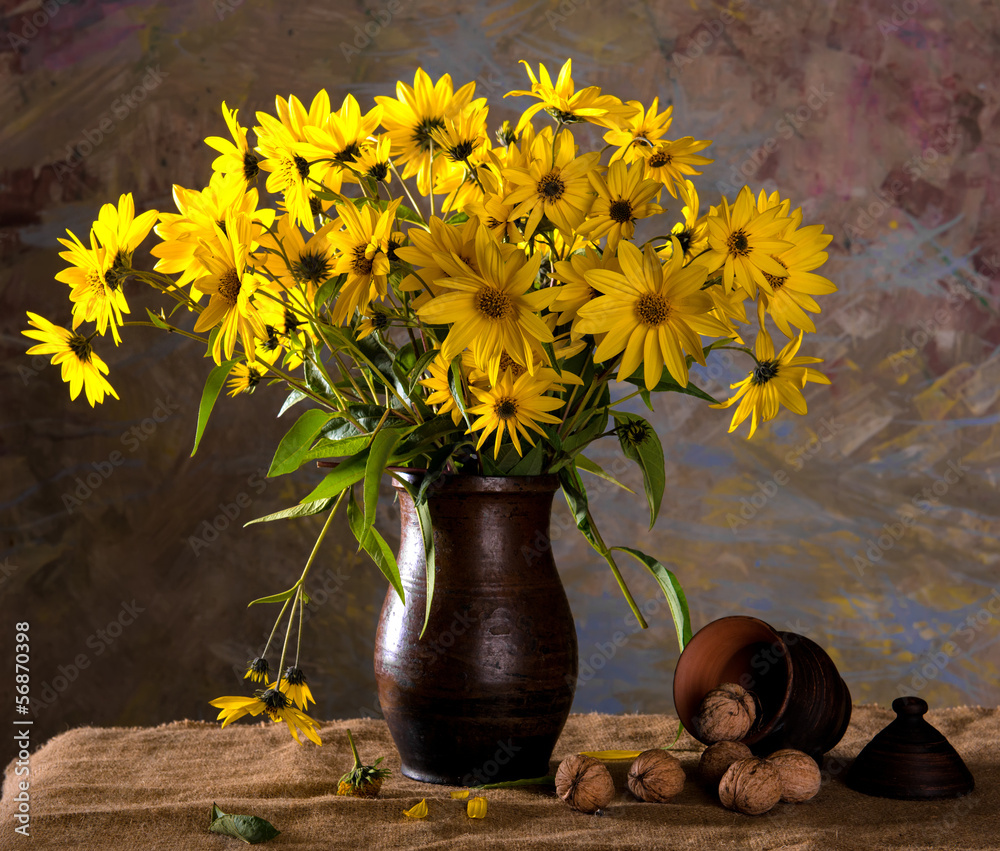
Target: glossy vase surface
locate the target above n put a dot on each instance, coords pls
(484, 694)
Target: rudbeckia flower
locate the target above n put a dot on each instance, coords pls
(81, 367)
(275, 704)
(773, 382)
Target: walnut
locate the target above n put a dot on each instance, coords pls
(717, 758)
(655, 776)
(799, 773)
(751, 786)
(584, 783)
(726, 714)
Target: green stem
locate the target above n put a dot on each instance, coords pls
(617, 573)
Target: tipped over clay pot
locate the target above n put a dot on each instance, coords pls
(804, 702)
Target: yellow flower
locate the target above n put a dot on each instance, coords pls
(289, 170)
(556, 186)
(692, 233)
(743, 242)
(417, 810)
(651, 312)
(362, 247)
(295, 262)
(257, 670)
(773, 382)
(494, 311)
(433, 252)
(277, 707)
(81, 367)
(440, 395)
(337, 143)
(791, 294)
(120, 231)
(621, 200)
(293, 683)
(514, 406)
(244, 377)
(566, 105)
(463, 136)
(235, 157)
(576, 291)
(414, 114)
(669, 162)
(231, 285)
(97, 294)
(373, 159)
(182, 233)
(641, 129)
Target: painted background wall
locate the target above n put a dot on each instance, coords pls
(870, 525)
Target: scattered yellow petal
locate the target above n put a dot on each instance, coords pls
(460, 794)
(476, 808)
(417, 810)
(611, 754)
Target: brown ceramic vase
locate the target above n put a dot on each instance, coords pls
(804, 702)
(484, 694)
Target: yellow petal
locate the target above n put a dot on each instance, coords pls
(611, 754)
(476, 808)
(417, 810)
(460, 794)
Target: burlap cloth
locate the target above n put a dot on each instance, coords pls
(151, 788)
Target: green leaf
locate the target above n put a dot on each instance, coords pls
(374, 544)
(156, 320)
(420, 440)
(344, 475)
(550, 351)
(427, 532)
(455, 383)
(307, 509)
(576, 499)
(213, 386)
(294, 398)
(591, 467)
(367, 416)
(384, 442)
(274, 598)
(328, 288)
(647, 452)
(530, 464)
(671, 590)
(251, 829)
(436, 467)
(316, 381)
(290, 453)
(417, 370)
(339, 448)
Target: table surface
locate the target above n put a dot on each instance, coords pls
(153, 788)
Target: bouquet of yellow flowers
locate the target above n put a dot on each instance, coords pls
(448, 304)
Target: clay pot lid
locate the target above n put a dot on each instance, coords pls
(910, 759)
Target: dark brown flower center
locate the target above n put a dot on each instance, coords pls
(361, 265)
(652, 309)
(551, 186)
(422, 132)
(764, 372)
(620, 211)
(80, 347)
(229, 287)
(738, 243)
(312, 267)
(493, 302)
(505, 408)
(250, 167)
(777, 281)
(507, 362)
(660, 159)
